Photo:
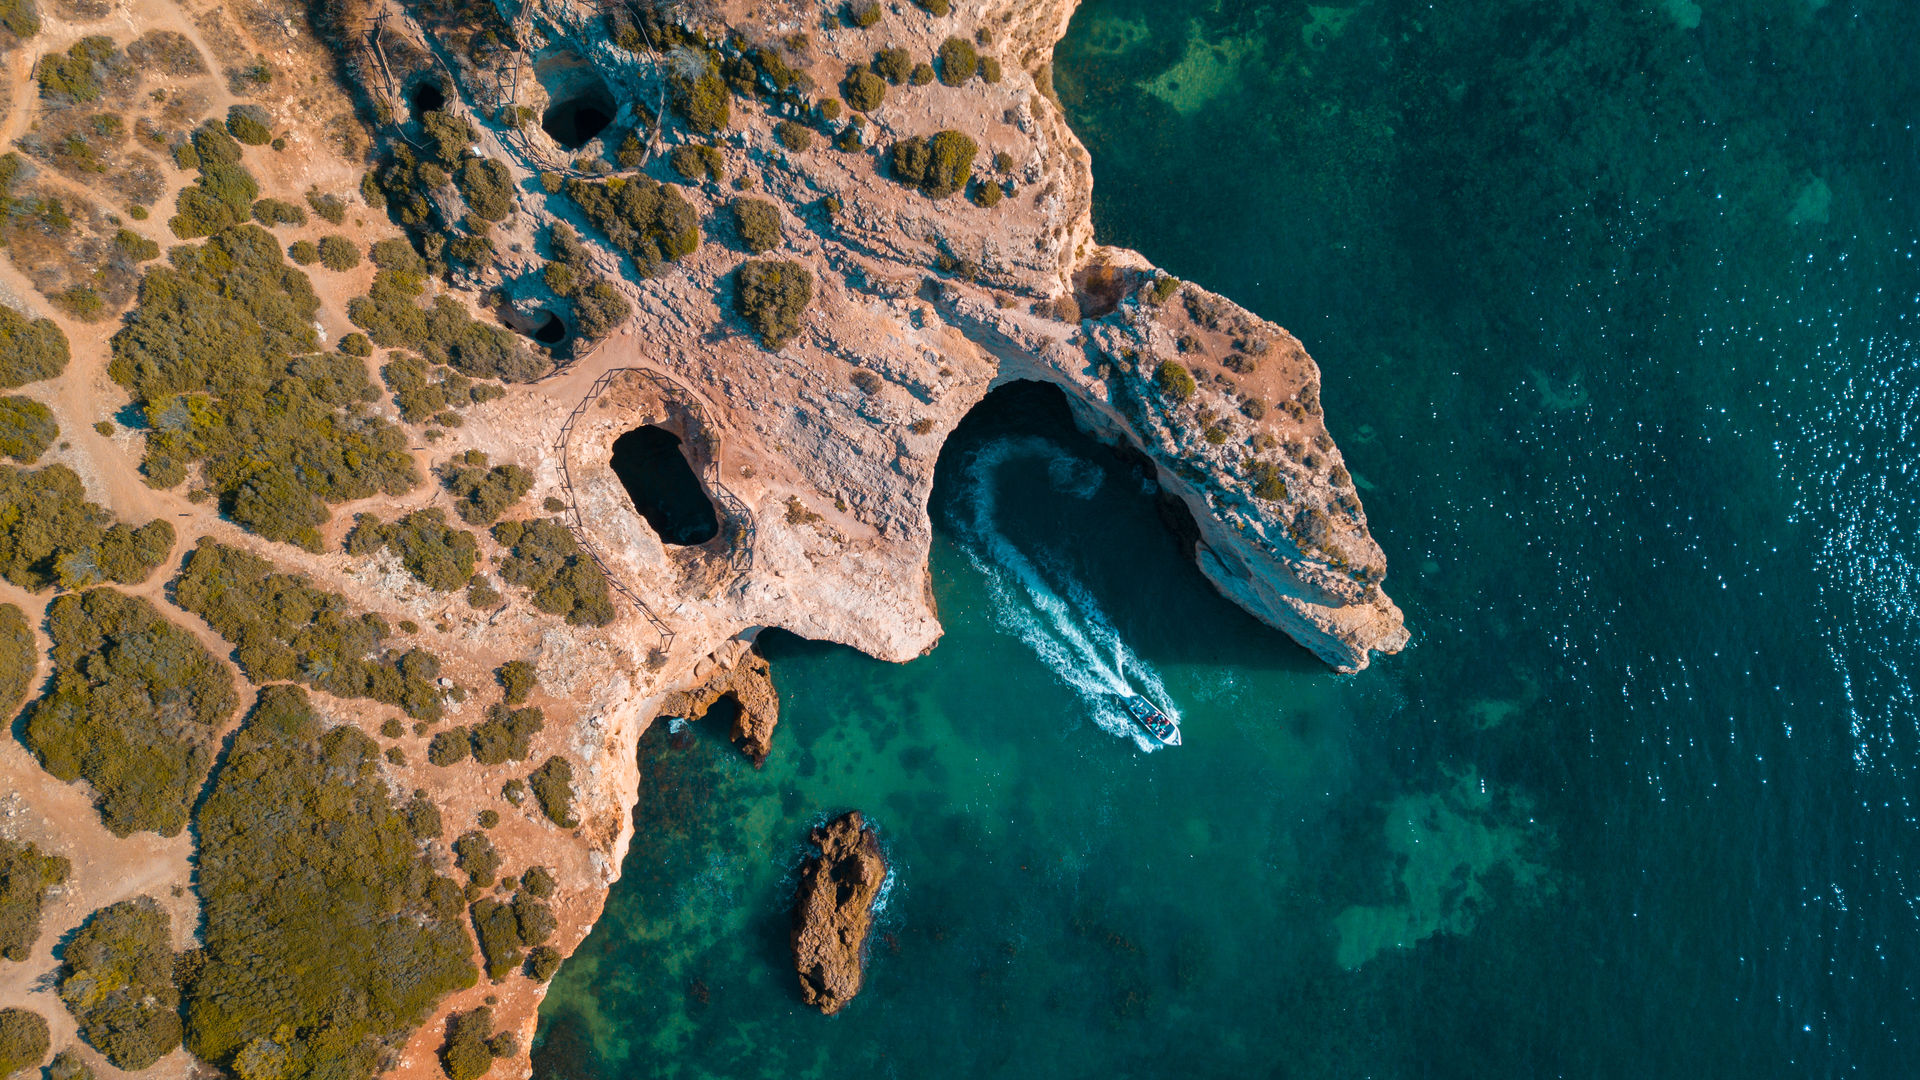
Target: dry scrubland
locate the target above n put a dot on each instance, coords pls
(328, 632)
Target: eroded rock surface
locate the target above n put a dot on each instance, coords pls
(743, 675)
(833, 911)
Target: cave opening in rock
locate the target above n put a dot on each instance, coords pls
(574, 122)
(579, 103)
(550, 329)
(663, 486)
(426, 97)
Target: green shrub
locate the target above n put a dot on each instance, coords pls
(694, 161)
(701, 101)
(24, 1040)
(1163, 288)
(863, 13)
(449, 747)
(117, 981)
(1268, 484)
(863, 90)
(506, 929)
(544, 559)
(328, 935)
(648, 220)
(20, 18)
(422, 391)
(283, 628)
(506, 734)
(481, 493)
(19, 662)
(958, 61)
(829, 109)
(216, 357)
(988, 193)
(304, 252)
(445, 333)
(79, 74)
(539, 882)
(936, 7)
(136, 247)
(271, 212)
(599, 309)
(25, 876)
(474, 854)
(758, 223)
(921, 75)
(552, 785)
(30, 349)
(465, 1055)
(795, 137)
(482, 596)
(1174, 381)
(938, 165)
(68, 1065)
(51, 535)
(133, 709)
(772, 294)
(517, 678)
(224, 192)
(331, 208)
(543, 963)
(893, 65)
(438, 555)
(487, 186)
(338, 254)
(27, 428)
(250, 124)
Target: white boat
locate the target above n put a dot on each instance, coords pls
(1156, 723)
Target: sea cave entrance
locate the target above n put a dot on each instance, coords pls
(549, 329)
(663, 486)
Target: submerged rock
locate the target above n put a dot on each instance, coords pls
(833, 913)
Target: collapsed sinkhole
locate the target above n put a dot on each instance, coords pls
(425, 97)
(549, 329)
(663, 486)
(580, 106)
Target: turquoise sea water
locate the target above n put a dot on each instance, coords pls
(1615, 309)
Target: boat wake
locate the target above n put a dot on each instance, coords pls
(1042, 604)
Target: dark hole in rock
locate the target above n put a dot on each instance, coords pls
(573, 122)
(663, 486)
(427, 97)
(550, 330)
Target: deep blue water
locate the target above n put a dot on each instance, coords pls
(1615, 312)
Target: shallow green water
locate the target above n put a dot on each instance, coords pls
(1614, 309)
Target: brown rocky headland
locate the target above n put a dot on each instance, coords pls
(833, 911)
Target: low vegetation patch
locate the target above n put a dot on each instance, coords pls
(117, 981)
(26, 873)
(133, 709)
(438, 555)
(598, 307)
(648, 220)
(552, 785)
(27, 428)
(51, 535)
(224, 192)
(958, 61)
(30, 349)
(696, 162)
(472, 1045)
(482, 492)
(221, 356)
(544, 559)
(83, 72)
(758, 223)
(938, 165)
(772, 295)
(506, 929)
(328, 935)
(863, 90)
(445, 333)
(1174, 381)
(517, 679)
(24, 1040)
(250, 124)
(283, 628)
(424, 391)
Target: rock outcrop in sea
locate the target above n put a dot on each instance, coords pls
(833, 911)
(743, 675)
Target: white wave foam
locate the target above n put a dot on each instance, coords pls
(1070, 634)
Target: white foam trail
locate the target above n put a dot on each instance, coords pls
(1070, 634)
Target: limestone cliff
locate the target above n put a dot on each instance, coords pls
(739, 673)
(833, 911)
